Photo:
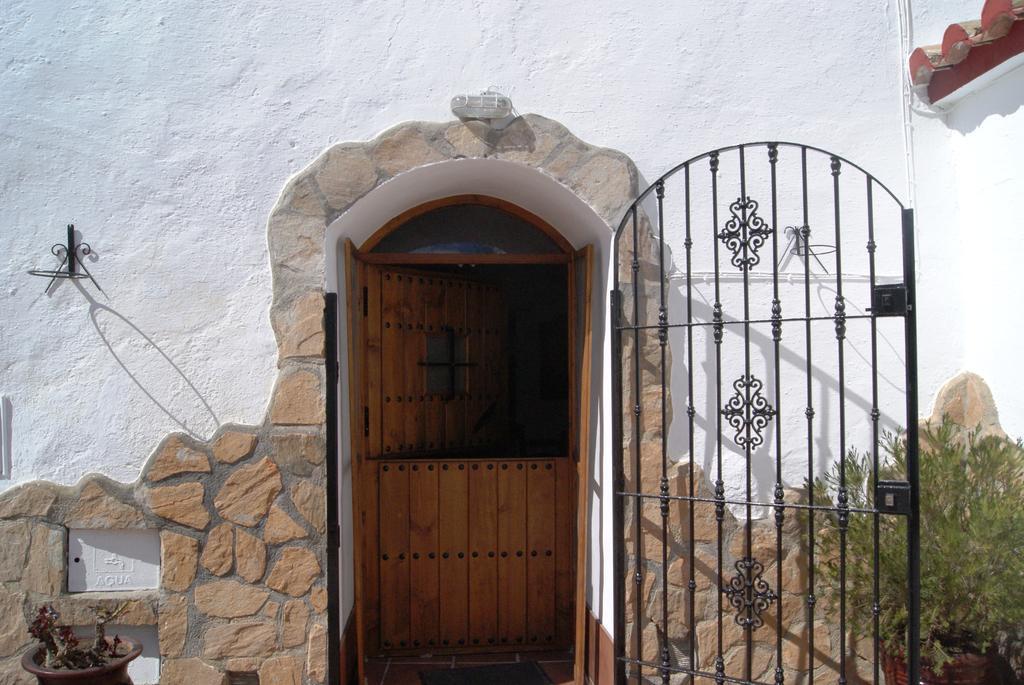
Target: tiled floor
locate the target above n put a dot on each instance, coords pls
(405, 670)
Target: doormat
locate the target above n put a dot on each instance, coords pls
(522, 673)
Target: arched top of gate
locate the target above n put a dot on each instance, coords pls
(768, 145)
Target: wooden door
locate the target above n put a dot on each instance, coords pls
(466, 546)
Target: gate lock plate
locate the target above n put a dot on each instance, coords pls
(893, 497)
(889, 300)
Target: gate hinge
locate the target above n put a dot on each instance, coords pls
(889, 300)
(366, 421)
(893, 497)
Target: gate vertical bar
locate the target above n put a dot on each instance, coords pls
(843, 513)
(773, 158)
(809, 413)
(748, 554)
(719, 484)
(638, 577)
(662, 342)
(875, 415)
(913, 521)
(690, 412)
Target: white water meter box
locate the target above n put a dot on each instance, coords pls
(111, 560)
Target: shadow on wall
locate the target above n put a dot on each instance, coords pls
(148, 366)
(793, 361)
(1002, 98)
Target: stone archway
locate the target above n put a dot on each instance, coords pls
(348, 177)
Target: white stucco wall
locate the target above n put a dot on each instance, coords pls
(165, 132)
(967, 154)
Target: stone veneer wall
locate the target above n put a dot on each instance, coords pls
(242, 517)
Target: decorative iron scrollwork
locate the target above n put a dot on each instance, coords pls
(745, 233)
(749, 593)
(748, 402)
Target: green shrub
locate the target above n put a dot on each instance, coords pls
(972, 543)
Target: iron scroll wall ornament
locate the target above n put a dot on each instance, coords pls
(71, 255)
(724, 315)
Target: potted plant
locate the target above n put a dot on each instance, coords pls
(972, 552)
(61, 658)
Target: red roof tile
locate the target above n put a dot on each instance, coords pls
(969, 49)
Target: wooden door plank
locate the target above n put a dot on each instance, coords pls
(475, 316)
(455, 408)
(412, 355)
(565, 552)
(540, 567)
(394, 555)
(423, 543)
(372, 398)
(433, 321)
(512, 553)
(393, 429)
(453, 542)
(483, 567)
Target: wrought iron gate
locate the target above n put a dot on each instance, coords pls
(789, 300)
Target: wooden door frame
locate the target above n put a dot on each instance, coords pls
(356, 260)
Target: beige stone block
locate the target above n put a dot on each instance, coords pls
(346, 175)
(31, 499)
(300, 326)
(248, 492)
(179, 556)
(298, 400)
(604, 182)
(240, 640)
(316, 656)
(250, 556)
(180, 503)
(293, 624)
(242, 664)
(967, 401)
(96, 508)
(294, 572)
(190, 672)
(233, 446)
(531, 139)
(217, 552)
(311, 502)
(318, 598)
(281, 527)
(229, 599)
(44, 570)
(15, 537)
(303, 197)
(137, 608)
(762, 537)
(176, 457)
(173, 625)
(298, 453)
(296, 245)
(469, 138)
(281, 670)
(403, 149)
(270, 610)
(13, 628)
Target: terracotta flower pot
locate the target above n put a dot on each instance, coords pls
(966, 669)
(113, 673)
